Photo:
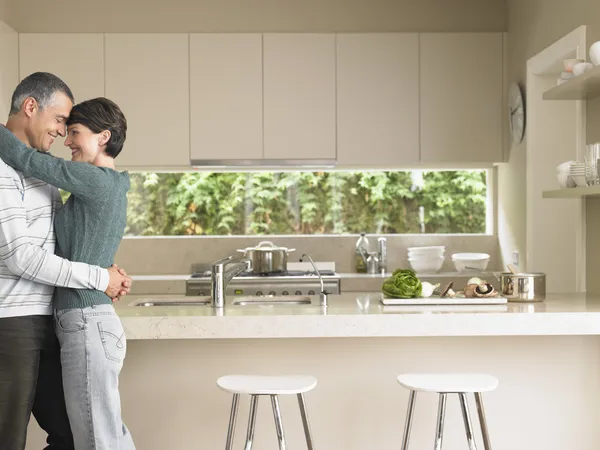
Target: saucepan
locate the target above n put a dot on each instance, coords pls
(267, 258)
(518, 286)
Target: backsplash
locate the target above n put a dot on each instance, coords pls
(175, 255)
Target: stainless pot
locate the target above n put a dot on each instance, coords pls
(523, 287)
(267, 258)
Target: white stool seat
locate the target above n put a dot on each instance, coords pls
(448, 382)
(267, 385)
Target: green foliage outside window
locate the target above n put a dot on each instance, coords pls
(258, 203)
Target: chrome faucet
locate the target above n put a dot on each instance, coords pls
(222, 272)
(382, 254)
(323, 294)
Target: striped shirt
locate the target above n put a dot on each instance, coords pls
(29, 269)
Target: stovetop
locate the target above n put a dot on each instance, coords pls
(298, 282)
(281, 275)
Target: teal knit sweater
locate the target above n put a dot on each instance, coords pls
(90, 225)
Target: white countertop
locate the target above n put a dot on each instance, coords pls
(359, 315)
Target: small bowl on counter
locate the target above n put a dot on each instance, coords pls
(467, 261)
(426, 264)
(421, 252)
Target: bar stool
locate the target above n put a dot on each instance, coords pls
(257, 385)
(443, 384)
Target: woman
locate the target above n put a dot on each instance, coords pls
(89, 228)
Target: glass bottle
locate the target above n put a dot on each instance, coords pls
(362, 253)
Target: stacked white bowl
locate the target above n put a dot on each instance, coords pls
(577, 174)
(426, 259)
(563, 174)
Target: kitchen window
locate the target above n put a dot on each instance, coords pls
(306, 203)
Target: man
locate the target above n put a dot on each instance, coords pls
(30, 371)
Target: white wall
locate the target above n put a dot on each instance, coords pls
(532, 26)
(9, 67)
(4, 11)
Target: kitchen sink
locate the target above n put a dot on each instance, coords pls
(193, 301)
(271, 300)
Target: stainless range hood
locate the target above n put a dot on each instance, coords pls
(263, 164)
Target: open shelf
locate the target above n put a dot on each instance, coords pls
(584, 87)
(578, 192)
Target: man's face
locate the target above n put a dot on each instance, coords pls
(49, 123)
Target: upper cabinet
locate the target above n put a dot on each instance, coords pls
(461, 97)
(226, 94)
(299, 96)
(81, 65)
(147, 75)
(378, 99)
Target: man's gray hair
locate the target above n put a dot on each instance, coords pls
(42, 86)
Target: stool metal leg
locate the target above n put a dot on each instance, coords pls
(467, 419)
(439, 429)
(232, 419)
(251, 422)
(483, 422)
(305, 423)
(409, 417)
(278, 422)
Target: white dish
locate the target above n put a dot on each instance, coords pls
(564, 180)
(427, 265)
(467, 261)
(566, 166)
(581, 67)
(444, 308)
(432, 249)
(579, 180)
(595, 53)
(570, 63)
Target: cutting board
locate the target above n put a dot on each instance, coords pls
(435, 300)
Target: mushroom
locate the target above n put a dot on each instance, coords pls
(470, 290)
(485, 290)
(480, 290)
(447, 291)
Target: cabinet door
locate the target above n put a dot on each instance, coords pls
(299, 97)
(147, 75)
(378, 99)
(461, 97)
(226, 96)
(78, 59)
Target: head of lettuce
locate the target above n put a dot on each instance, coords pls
(402, 284)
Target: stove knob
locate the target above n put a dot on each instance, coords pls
(298, 293)
(285, 293)
(272, 293)
(259, 293)
(311, 292)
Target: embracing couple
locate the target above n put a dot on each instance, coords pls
(61, 344)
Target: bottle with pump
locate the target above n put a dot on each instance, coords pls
(362, 253)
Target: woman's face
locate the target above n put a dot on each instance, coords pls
(85, 145)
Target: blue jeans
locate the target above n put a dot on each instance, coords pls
(93, 347)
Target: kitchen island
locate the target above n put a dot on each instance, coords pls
(546, 356)
(358, 315)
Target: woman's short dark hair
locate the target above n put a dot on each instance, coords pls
(101, 114)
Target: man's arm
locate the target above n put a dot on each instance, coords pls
(27, 260)
(84, 180)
